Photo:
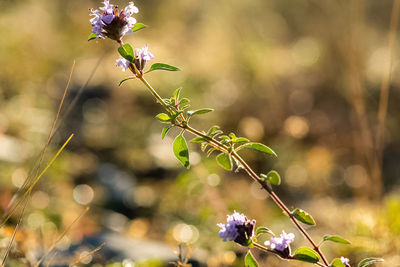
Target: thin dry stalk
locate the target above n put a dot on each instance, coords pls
(384, 95)
(9, 246)
(61, 236)
(29, 190)
(51, 259)
(90, 253)
(37, 166)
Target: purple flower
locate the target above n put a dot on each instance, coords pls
(142, 55)
(345, 261)
(123, 63)
(238, 229)
(111, 22)
(280, 243)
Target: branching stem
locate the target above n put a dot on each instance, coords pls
(182, 123)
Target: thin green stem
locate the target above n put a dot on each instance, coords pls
(156, 95)
(223, 148)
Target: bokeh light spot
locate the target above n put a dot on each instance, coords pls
(296, 126)
(213, 179)
(83, 194)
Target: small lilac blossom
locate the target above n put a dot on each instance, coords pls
(280, 243)
(111, 22)
(345, 261)
(145, 54)
(238, 229)
(142, 55)
(123, 63)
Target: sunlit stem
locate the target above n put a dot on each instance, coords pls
(156, 95)
(221, 147)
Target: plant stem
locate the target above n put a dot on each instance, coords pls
(156, 95)
(221, 147)
(261, 247)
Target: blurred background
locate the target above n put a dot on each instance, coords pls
(302, 77)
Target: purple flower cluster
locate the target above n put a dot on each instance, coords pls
(142, 55)
(280, 243)
(110, 22)
(238, 229)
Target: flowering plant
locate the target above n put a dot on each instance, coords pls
(110, 22)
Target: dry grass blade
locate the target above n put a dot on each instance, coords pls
(90, 253)
(384, 90)
(9, 246)
(51, 259)
(37, 166)
(61, 236)
(29, 190)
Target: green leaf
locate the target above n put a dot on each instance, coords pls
(198, 140)
(273, 177)
(177, 93)
(241, 140)
(336, 238)
(210, 151)
(199, 111)
(126, 79)
(162, 66)
(212, 129)
(263, 230)
(183, 101)
(164, 118)
(181, 150)
(250, 261)
(165, 131)
(306, 254)
(138, 26)
(369, 261)
(92, 36)
(224, 161)
(126, 51)
(259, 147)
(337, 263)
(303, 216)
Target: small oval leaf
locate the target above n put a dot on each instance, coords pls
(303, 216)
(199, 111)
(263, 230)
(162, 66)
(241, 140)
(164, 118)
(181, 150)
(336, 239)
(126, 51)
(306, 254)
(177, 94)
(224, 161)
(250, 261)
(126, 79)
(198, 140)
(369, 261)
(273, 177)
(258, 146)
(138, 26)
(165, 131)
(92, 36)
(337, 263)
